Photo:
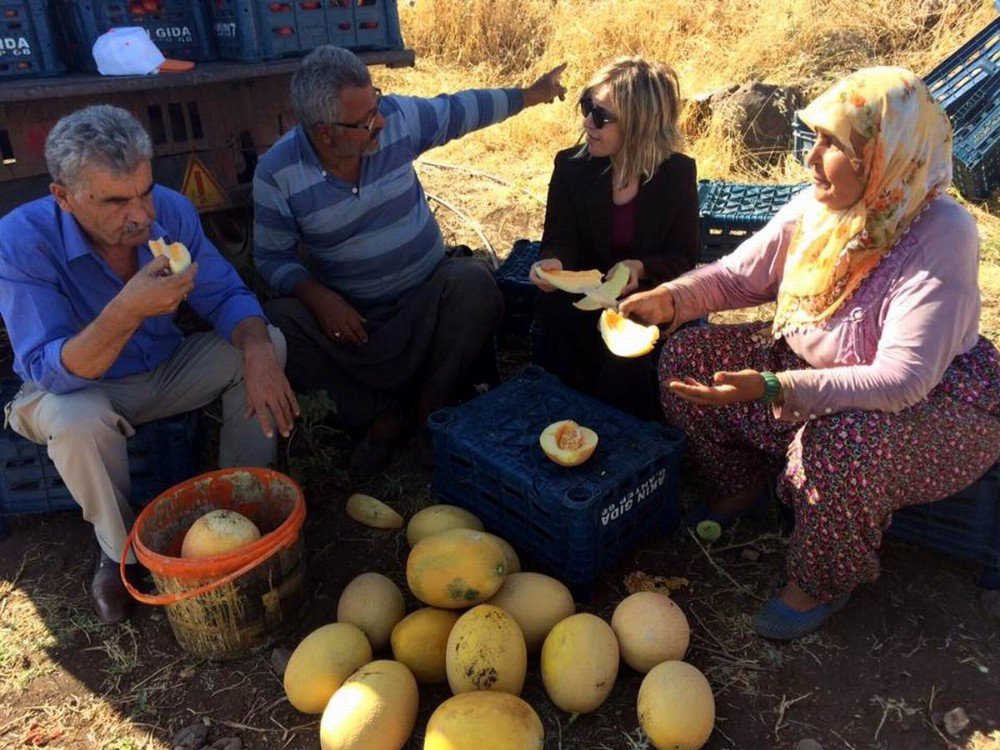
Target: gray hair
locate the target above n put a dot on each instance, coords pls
(319, 79)
(100, 136)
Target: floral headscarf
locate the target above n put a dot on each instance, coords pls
(899, 141)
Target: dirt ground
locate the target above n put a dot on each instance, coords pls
(908, 648)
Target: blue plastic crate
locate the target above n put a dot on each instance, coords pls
(730, 212)
(252, 30)
(179, 28)
(965, 525)
(161, 454)
(574, 521)
(519, 294)
(976, 149)
(958, 76)
(28, 47)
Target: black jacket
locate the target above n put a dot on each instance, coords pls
(579, 212)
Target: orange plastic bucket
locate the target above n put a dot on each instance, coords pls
(226, 606)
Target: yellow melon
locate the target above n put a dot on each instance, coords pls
(626, 338)
(372, 512)
(676, 706)
(320, 664)
(486, 651)
(651, 629)
(375, 709)
(567, 443)
(455, 569)
(575, 282)
(580, 663)
(217, 533)
(606, 292)
(373, 603)
(537, 602)
(437, 518)
(176, 252)
(420, 641)
(484, 720)
(509, 553)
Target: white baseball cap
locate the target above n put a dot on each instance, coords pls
(128, 51)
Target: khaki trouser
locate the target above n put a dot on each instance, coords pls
(86, 430)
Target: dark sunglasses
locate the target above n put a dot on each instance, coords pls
(598, 115)
(367, 124)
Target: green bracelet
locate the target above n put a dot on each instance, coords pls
(771, 387)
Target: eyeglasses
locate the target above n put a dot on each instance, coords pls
(598, 115)
(370, 122)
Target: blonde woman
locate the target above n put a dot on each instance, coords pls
(625, 197)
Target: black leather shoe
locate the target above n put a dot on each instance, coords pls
(111, 600)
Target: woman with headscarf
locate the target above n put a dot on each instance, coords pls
(625, 197)
(872, 387)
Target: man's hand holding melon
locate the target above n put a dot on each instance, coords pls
(151, 292)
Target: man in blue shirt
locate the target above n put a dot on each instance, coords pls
(90, 316)
(377, 315)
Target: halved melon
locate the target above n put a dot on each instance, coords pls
(606, 292)
(176, 253)
(625, 338)
(576, 282)
(567, 443)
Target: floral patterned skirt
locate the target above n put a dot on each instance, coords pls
(843, 474)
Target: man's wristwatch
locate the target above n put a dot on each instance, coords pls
(772, 387)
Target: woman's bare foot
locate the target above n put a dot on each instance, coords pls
(796, 598)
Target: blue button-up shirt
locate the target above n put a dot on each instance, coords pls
(53, 284)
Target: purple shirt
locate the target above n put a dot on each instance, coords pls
(887, 346)
(623, 229)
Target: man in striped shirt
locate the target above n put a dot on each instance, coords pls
(375, 314)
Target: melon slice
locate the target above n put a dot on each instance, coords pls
(176, 253)
(625, 338)
(575, 282)
(606, 292)
(567, 443)
(372, 512)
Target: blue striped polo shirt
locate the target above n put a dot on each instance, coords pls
(372, 241)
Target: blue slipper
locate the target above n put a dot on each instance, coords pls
(779, 622)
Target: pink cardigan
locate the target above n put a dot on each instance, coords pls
(888, 345)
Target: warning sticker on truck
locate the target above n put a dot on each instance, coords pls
(201, 188)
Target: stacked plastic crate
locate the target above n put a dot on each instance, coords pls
(28, 46)
(179, 28)
(253, 30)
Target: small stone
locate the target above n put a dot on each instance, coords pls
(749, 554)
(808, 744)
(279, 660)
(191, 737)
(226, 743)
(955, 721)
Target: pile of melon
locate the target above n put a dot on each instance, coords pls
(481, 621)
